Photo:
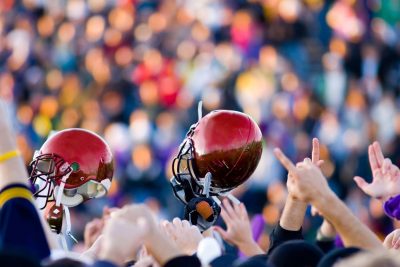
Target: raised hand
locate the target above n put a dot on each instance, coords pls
(315, 159)
(293, 213)
(309, 185)
(122, 238)
(306, 181)
(238, 230)
(94, 228)
(186, 237)
(386, 175)
(92, 231)
(392, 240)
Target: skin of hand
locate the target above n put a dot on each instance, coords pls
(145, 260)
(306, 181)
(187, 237)
(238, 230)
(157, 243)
(122, 238)
(392, 241)
(94, 228)
(294, 211)
(94, 250)
(92, 231)
(309, 185)
(326, 228)
(386, 175)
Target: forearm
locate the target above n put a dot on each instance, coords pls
(293, 213)
(352, 231)
(12, 171)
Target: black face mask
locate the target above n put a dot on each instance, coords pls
(296, 253)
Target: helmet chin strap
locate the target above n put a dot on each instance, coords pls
(200, 110)
(65, 210)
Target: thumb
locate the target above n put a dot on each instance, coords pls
(388, 242)
(222, 232)
(361, 182)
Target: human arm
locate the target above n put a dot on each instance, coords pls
(16, 199)
(293, 213)
(238, 230)
(308, 184)
(12, 170)
(386, 175)
(326, 233)
(156, 242)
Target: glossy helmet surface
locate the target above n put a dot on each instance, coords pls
(228, 144)
(81, 159)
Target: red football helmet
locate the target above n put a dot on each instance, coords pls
(225, 147)
(78, 162)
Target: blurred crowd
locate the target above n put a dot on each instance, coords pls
(134, 71)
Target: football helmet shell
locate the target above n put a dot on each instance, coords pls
(78, 159)
(227, 144)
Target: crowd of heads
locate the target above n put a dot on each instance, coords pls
(134, 71)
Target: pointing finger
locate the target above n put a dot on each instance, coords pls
(315, 150)
(287, 163)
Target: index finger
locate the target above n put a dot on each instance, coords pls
(287, 163)
(378, 153)
(315, 151)
(372, 158)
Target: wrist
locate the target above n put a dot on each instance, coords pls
(151, 237)
(108, 254)
(293, 213)
(322, 201)
(160, 246)
(249, 248)
(295, 200)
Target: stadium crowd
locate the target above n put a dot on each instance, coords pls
(133, 71)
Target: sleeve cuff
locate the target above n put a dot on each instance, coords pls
(15, 191)
(284, 234)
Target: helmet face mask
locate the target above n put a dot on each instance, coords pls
(183, 169)
(47, 170)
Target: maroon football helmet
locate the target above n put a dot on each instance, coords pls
(78, 162)
(227, 145)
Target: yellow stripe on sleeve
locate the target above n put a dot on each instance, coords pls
(9, 155)
(15, 192)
